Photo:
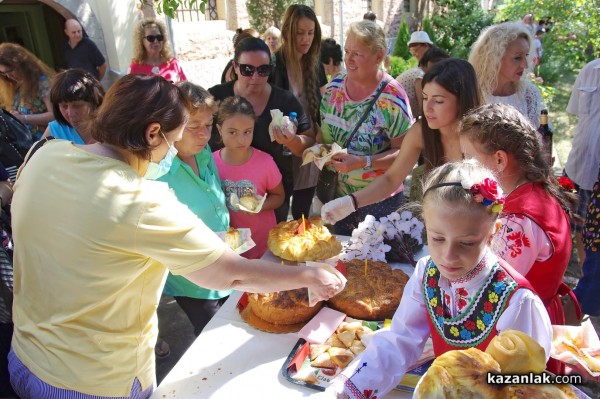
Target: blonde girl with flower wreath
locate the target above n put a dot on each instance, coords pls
(462, 294)
(535, 237)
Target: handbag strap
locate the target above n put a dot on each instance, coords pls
(36, 147)
(380, 89)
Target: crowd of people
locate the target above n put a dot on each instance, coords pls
(127, 204)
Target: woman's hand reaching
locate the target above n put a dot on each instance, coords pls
(345, 163)
(326, 284)
(334, 211)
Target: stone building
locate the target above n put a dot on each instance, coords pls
(202, 41)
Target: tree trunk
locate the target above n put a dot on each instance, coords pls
(148, 9)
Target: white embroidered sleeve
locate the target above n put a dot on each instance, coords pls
(521, 242)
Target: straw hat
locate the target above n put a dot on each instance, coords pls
(419, 36)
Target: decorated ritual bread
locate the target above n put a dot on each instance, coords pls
(283, 308)
(373, 290)
(302, 240)
(463, 373)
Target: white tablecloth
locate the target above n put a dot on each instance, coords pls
(231, 359)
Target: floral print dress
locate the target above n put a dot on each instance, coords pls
(390, 118)
(33, 105)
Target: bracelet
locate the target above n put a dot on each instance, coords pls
(26, 118)
(354, 201)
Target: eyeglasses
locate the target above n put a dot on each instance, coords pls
(248, 70)
(152, 38)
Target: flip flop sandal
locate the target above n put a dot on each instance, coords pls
(162, 349)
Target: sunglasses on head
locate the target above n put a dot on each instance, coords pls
(248, 70)
(152, 38)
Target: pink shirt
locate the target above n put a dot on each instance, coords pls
(258, 174)
(170, 70)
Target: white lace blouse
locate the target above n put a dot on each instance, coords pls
(528, 100)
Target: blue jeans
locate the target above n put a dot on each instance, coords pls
(589, 285)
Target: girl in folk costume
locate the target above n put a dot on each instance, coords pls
(535, 237)
(462, 294)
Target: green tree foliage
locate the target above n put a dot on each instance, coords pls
(266, 13)
(399, 65)
(574, 37)
(457, 24)
(426, 26)
(401, 44)
(168, 7)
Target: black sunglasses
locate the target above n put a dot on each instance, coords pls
(152, 38)
(248, 70)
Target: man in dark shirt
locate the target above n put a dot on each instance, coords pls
(81, 52)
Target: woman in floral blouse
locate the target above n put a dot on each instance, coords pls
(375, 145)
(29, 77)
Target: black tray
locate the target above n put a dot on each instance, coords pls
(286, 364)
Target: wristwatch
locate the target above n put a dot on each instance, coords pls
(368, 164)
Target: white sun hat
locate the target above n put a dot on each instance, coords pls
(419, 36)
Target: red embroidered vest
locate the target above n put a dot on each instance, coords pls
(546, 277)
(476, 325)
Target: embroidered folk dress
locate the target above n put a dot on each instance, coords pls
(473, 307)
(535, 238)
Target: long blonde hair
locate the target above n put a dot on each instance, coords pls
(139, 51)
(307, 68)
(29, 66)
(487, 52)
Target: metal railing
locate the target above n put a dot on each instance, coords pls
(189, 15)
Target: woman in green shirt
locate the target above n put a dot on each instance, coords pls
(194, 179)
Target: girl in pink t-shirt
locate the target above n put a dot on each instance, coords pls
(245, 169)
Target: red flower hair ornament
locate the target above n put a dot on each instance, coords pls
(487, 192)
(566, 183)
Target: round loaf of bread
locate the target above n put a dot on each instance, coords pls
(285, 307)
(460, 374)
(315, 243)
(375, 296)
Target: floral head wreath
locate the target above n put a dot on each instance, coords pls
(487, 193)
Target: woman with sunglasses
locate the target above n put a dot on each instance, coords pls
(152, 53)
(299, 70)
(27, 77)
(252, 64)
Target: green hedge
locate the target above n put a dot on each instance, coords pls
(399, 65)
